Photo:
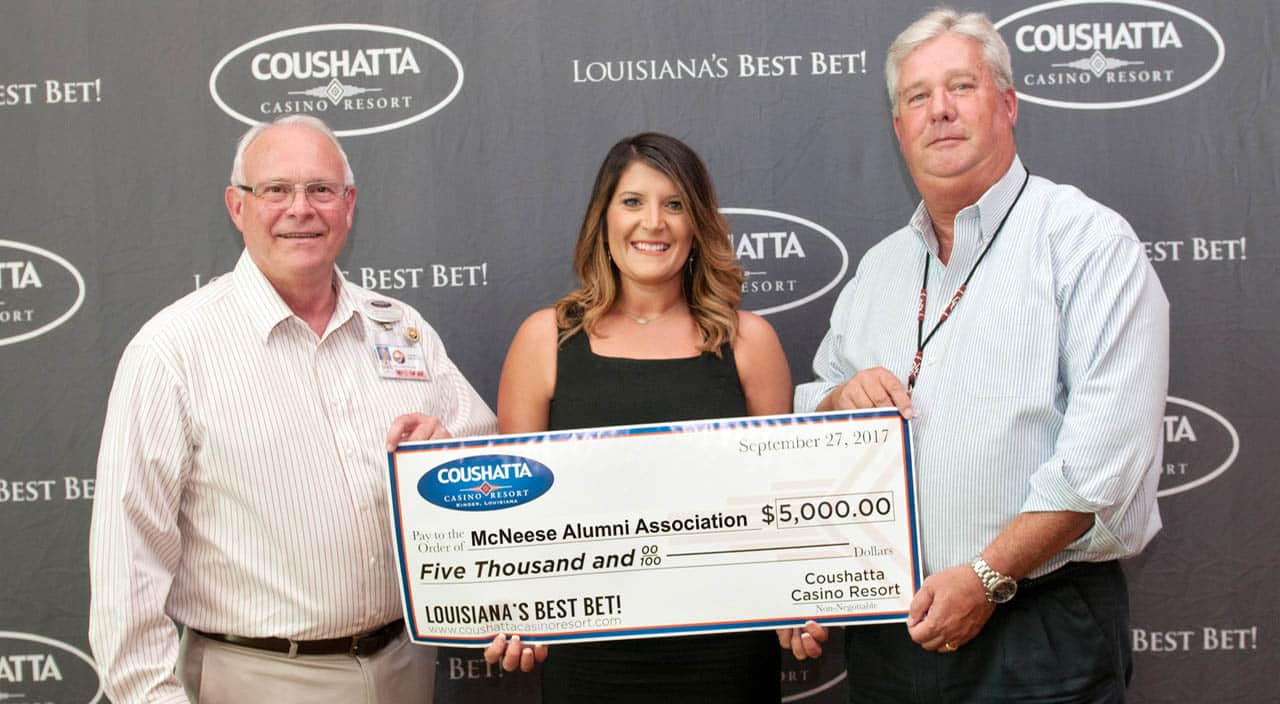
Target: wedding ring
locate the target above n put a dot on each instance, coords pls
(948, 647)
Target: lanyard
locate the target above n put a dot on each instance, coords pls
(921, 340)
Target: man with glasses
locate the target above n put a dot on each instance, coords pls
(241, 479)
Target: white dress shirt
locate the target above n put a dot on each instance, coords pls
(1045, 388)
(242, 479)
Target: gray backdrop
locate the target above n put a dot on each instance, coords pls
(475, 130)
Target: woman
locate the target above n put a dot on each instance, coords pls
(653, 334)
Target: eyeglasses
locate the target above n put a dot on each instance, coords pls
(283, 192)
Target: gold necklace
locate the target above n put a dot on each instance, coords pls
(638, 320)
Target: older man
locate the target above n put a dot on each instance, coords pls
(1020, 326)
(242, 489)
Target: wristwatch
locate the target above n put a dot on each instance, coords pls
(1000, 588)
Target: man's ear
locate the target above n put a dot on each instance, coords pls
(351, 207)
(234, 198)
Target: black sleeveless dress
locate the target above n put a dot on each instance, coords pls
(732, 668)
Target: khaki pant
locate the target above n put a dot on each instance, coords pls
(219, 673)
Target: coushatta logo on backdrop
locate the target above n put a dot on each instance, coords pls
(485, 482)
(1199, 445)
(36, 668)
(39, 291)
(359, 78)
(1109, 54)
(788, 260)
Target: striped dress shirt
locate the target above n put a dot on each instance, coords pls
(242, 482)
(1045, 388)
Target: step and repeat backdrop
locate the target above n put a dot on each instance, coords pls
(475, 129)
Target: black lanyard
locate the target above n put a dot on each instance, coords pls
(921, 340)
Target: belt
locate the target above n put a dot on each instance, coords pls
(359, 645)
(1066, 570)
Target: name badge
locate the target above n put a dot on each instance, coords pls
(399, 361)
(392, 359)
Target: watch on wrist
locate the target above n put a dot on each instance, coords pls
(1000, 588)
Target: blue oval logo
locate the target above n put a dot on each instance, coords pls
(485, 482)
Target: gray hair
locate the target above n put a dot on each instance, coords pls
(315, 123)
(974, 25)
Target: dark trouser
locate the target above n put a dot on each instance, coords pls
(1063, 638)
(727, 668)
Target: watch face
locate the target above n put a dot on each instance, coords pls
(1003, 590)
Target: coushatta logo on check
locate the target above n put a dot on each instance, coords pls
(485, 482)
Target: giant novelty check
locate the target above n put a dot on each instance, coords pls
(647, 530)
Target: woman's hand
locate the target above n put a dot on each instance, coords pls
(513, 654)
(805, 642)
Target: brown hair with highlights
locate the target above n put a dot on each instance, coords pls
(712, 284)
